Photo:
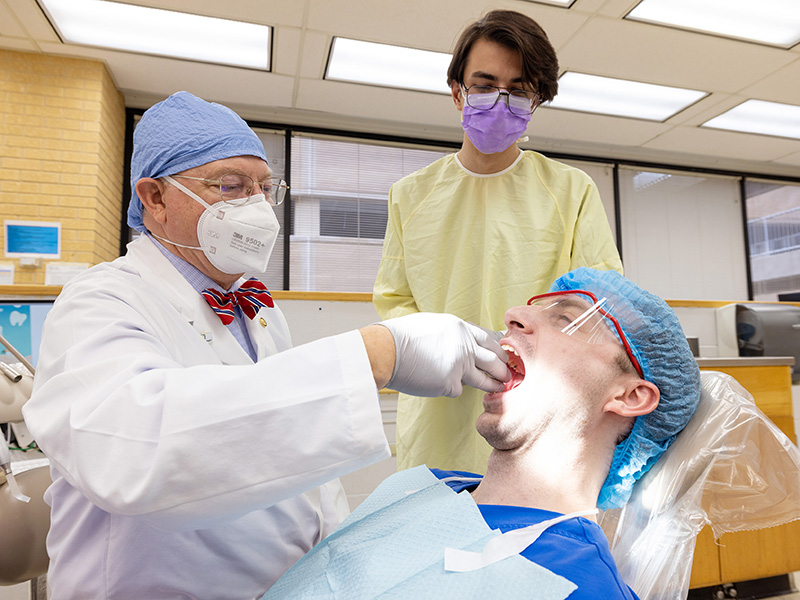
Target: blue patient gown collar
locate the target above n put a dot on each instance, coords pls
(393, 546)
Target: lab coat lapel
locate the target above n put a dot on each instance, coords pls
(157, 271)
(268, 331)
(221, 340)
(260, 330)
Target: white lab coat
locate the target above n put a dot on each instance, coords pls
(179, 466)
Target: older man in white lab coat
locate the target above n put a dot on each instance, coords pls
(194, 451)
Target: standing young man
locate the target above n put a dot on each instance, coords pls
(480, 230)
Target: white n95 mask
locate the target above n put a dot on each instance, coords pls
(235, 238)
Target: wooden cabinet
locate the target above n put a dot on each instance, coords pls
(766, 552)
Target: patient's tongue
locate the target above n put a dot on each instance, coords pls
(516, 379)
(517, 369)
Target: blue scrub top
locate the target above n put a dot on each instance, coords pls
(576, 549)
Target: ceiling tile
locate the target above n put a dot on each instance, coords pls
(782, 85)
(790, 159)
(573, 125)
(146, 76)
(33, 20)
(263, 12)
(286, 50)
(418, 108)
(399, 23)
(9, 25)
(740, 146)
(652, 54)
(314, 55)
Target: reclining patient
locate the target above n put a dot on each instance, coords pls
(603, 382)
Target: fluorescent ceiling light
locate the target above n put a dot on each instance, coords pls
(566, 3)
(161, 32)
(607, 96)
(775, 22)
(385, 65)
(757, 116)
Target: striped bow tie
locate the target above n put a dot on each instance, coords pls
(251, 297)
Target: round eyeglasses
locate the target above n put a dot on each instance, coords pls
(236, 189)
(569, 310)
(483, 97)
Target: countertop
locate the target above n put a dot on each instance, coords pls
(745, 361)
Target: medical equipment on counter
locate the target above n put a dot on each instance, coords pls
(24, 525)
(17, 355)
(24, 516)
(769, 330)
(760, 329)
(16, 384)
(730, 468)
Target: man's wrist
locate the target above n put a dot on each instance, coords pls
(380, 346)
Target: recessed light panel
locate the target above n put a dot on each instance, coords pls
(619, 97)
(774, 22)
(385, 65)
(160, 32)
(758, 116)
(565, 3)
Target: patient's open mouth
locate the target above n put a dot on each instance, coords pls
(516, 366)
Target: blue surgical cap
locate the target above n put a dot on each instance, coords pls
(183, 132)
(659, 344)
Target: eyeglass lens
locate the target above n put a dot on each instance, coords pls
(235, 187)
(574, 315)
(485, 97)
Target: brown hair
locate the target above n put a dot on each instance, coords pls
(518, 33)
(624, 363)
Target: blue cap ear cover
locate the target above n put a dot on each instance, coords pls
(183, 132)
(659, 344)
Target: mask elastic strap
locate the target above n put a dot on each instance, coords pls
(193, 196)
(158, 237)
(189, 193)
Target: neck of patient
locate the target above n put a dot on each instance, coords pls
(546, 475)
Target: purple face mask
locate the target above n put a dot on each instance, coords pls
(493, 130)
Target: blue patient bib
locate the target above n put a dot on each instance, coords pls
(393, 546)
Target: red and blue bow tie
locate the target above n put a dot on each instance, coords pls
(251, 297)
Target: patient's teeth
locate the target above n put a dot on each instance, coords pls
(510, 349)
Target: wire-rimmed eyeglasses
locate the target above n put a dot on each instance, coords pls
(235, 188)
(483, 97)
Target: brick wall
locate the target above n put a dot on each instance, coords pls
(62, 127)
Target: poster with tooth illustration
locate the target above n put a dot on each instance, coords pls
(15, 327)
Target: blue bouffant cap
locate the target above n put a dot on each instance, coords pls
(659, 344)
(183, 132)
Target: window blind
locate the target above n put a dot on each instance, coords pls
(340, 192)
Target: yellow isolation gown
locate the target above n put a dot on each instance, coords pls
(475, 245)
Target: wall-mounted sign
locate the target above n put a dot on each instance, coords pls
(37, 239)
(6, 273)
(59, 273)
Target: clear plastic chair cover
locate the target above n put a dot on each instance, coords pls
(730, 468)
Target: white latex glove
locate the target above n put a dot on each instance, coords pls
(495, 335)
(437, 353)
